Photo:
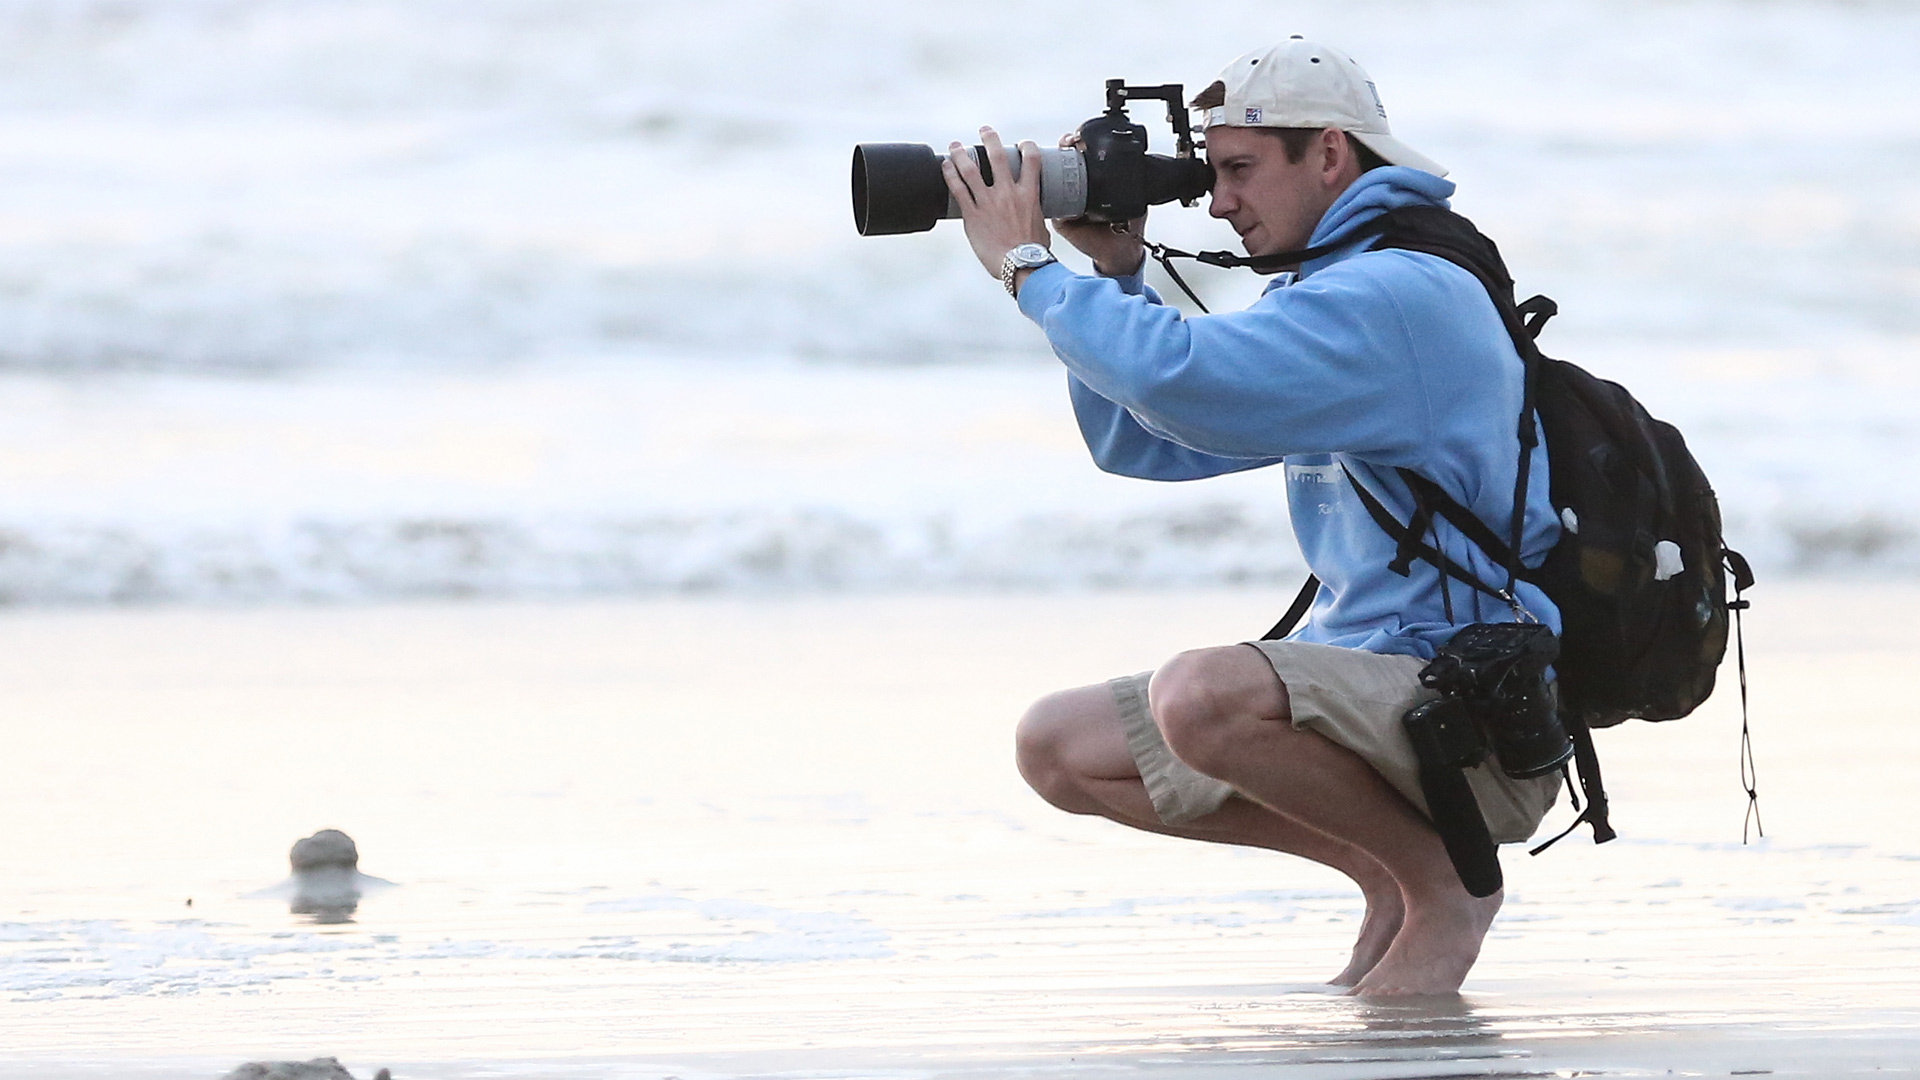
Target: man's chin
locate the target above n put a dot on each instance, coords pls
(1257, 244)
(1256, 248)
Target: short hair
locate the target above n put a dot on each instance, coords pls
(1211, 98)
(1297, 141)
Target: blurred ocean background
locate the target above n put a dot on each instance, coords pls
(337, 337)
(334, 300)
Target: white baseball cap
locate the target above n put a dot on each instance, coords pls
(1301, 84)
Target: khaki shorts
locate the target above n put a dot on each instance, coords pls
(1356, 699)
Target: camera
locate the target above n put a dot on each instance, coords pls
(1494, 698)
(1498, 671)
(1109, 177)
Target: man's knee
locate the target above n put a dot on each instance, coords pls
(1042, 744)
(1204, 698)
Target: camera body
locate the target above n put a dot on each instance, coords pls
(1495, 698)
(1122, 178)
(1110, 177)
(1498, 674)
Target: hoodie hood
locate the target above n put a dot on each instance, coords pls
(1376, 192)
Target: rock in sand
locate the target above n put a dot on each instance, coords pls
(325, 1068)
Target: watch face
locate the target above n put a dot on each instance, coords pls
(1030, 255)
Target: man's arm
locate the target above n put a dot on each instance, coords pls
(1122, 445)
(1120, 442)
(1326, 365)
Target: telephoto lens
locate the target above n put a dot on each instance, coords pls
(1524, 726)
(1109, 177)
(898, 187)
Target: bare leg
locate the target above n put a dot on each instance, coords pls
(1226, 713)
(1238, 818)
(1072, 750)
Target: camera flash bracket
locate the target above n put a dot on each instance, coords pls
(1120, 95)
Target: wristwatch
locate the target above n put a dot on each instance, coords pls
(1024, 257)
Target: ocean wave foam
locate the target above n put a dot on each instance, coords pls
(751, 551)
(747, 551)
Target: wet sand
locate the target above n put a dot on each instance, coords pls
(719, 837)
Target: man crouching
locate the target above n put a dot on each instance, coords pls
(1354, 366)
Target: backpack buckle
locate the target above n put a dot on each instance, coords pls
(1535, 311)
(1520, 611)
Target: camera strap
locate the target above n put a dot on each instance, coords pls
(1259, 264)
(1165, 255)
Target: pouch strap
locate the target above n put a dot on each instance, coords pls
(1587, 762)
(1295, 612)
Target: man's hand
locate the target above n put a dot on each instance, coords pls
(1116, 251)
(1007, 214)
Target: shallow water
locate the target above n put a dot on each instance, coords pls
(724, 837)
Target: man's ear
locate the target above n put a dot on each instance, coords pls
(1334, 152)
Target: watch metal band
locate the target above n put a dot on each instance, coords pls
(1010, 266)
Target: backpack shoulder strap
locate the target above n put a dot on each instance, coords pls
(1440, 232)
(1469, 524)
(1412, 546)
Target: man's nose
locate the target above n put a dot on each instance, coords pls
(1219, 204)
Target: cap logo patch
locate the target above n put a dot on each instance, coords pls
(1375, 91)
(1253, 114)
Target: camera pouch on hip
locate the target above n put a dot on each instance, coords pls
(1495, 700)
(1447, 743)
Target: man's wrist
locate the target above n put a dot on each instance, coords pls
(1020, 262)
(1139, 260)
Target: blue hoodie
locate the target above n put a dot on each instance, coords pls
(1370, 359)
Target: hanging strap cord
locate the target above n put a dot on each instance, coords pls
(1749, 773)
(1438, 502)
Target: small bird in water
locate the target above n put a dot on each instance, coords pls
(327, 883)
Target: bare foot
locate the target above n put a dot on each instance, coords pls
(1435, 948)
(1377, 931)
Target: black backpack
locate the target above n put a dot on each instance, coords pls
(1640, 572)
